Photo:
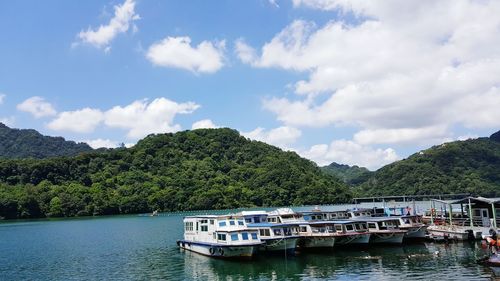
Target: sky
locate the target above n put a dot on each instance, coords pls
(358, 82)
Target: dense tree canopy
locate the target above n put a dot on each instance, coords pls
(471, 166)
(15, 143)
(200, 169)
(352, 175)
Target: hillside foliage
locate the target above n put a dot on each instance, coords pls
(190, 170)
(352, 175)
(470, 166)
(16, 143)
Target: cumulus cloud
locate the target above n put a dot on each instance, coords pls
(351, 153)
(141, 118)
(79, 121)
(99, 143)
(177, 52)
(37, 106)
(203, 124)
(123, 18)
(403, 72)
(282, 137)
(244, 52)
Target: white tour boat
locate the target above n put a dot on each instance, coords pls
(219, 236)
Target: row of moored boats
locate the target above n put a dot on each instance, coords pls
(247, 233)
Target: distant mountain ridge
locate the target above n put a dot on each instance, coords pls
(27, 143)
(352, 175)
(470, 166)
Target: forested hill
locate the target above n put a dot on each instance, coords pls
(352, 175)
(471, 166)
(15, 143)
(200, 169)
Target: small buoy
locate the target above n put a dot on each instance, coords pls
(436, 253)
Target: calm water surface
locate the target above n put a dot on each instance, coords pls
(143, 248)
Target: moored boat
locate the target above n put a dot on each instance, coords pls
(219, 236)
(384, 230)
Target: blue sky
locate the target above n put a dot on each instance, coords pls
(356, 82)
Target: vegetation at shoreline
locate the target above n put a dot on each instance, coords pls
(16, 143)
(470, 166)
(190, 170)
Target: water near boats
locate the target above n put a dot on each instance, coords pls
(144, 248)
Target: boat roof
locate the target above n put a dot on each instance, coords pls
(253, 213)
(375, 219)
(265, 224)
(465, 200)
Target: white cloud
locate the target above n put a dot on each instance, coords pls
(8, 121)
(274, 3)
(177, 52)
(98, 143)
(402, 135)
(2, 97)
(281, 136)
(203, 124)
(244, 52)
(141, 118)
(79, 121)
(120, 23)
(37, 106)
(351, 153)
(409, 70)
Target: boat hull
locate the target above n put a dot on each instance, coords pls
(318, 242)
(451, 233)
(356, 239)
(417, 232)
(279, 244)
(387, 238)
(219, 251)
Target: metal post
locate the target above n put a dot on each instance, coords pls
(432, 208)
(494, 215)
(451, 210)
(470, 214)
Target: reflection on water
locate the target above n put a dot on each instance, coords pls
(412, 262)
(143, 248)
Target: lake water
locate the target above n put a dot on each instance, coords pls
(143, 248)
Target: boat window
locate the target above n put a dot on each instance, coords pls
(232, 222)
(372, 225)
(334, 215)
(212, 222)
(188, 226)
(248, 220)
(256, 219)
(338, 228)
(287, 231)
(221, 237)
(349, 227)
(240, 223)
(254, 235)
(234, 237)
(204, 228)
(204, 221)
(264, 232)
(360, 226)
(477, 212)
(303, 229)
(222, 223)
(244, 236)
(277, 231)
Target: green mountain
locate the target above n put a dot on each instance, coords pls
(200, 169)
(470, 166)
(15, 143)
(352, 175)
